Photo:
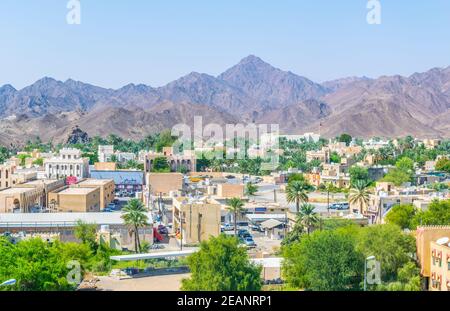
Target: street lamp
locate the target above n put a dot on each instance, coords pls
(9, 282)
(365, 270)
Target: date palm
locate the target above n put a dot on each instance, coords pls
(297, 191)
(134, 215)
(308, 217)
(359, 194)
(236, 206)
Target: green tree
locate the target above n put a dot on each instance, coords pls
(323, 261)
(39, 265)
(164, 139)
(87, 233)
(391, 247)
(405, 164)
(134, 215)
(235, 206)
(39, 162)
(297, 191)
(308, 217)
(402, 215)
(359, 195)
(408, 279)
(443, 164)
(160, 165)
(345, 138)
(221, 265)
(437, 214)
(358, 173)
(335, 157)
(251, 189)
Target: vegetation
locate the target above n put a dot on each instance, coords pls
(308, 263)
(160, 165)
(251, 189)
(443, 165)
(307, 217)
(297, 191)
(335, 158)
(358, 173)
(345, 138)
(235, 206)
(359, 195)
(402, 215)
(134, 215)
(402, 173)
(222, 265)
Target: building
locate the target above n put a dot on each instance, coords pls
(105, 153)
(164, 183)
(75, 200)
(195, 220)
(21, 199)
(105, 166)
(177, 161)
(433, 252)
(106, 186)
(69, 162)
(227, 190)
(124, 180)
(321, 155)
(65, 223)
(6, 172)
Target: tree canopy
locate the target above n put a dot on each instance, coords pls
(222, 265)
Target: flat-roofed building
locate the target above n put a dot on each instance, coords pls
(177, 161)
(106, 186)
(227, 190)
(6, 172)
(433, 252)
(68, 163)
(64, 224)
(164, 183)
(21, 199)
(105, 166)
(75, 199)
(196, 220)
(124, 180)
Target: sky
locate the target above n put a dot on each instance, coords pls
(157, 41)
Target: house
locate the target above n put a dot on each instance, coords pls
(68, 163)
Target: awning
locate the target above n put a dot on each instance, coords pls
(270, 224)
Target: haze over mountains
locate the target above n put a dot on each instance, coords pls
(251, 91)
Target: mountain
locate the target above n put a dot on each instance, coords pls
(269, 86)
(250, 91)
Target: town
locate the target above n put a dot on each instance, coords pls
(140, 215)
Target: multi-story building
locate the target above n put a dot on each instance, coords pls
(196, 220)
(433, 252)
(105, 153)
(75, 200)
(69, 162)
(321, 155)
(176, 161)
(106, 186)
(163, 183)
(6, 172)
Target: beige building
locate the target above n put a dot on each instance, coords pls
(164, 183)
(433, 252)
(106, 186)
(6, 172)
(321, 155)
(176, 161)
(195, 221)
(105, 166)
(75, 200)
(227, 190)
(21, 199)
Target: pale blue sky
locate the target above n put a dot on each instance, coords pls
(155, 42)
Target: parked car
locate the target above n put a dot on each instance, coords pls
(243, 232)
(228, 227)
(249, 242)
(255, 227)
(111, 206)
(107, 210)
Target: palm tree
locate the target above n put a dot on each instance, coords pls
(235, 205)
(296, 191)
(359, 194)
(307, 216)
(134, 215)
(329, 188)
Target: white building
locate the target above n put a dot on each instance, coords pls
(69, 162)
(105, 153)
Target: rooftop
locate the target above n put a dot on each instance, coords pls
(15, 190)
(62, 219)
(77, 191)
(95, 182)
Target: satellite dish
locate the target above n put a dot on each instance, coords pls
(443, 241)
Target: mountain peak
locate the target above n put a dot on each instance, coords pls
(7, 88)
